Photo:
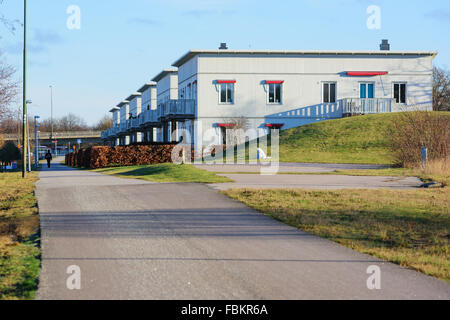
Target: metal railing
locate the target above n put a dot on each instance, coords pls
(177, 108)
(367, 106)
(150, 116)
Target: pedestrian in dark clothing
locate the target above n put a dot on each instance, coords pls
(49, 158)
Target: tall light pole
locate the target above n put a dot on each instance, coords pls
(28, 139)
(36, 143)
(51, 112)
(25, 120)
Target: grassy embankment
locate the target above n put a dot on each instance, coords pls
(349, 140)
(166, 172)
(410, 228)
(19, 225)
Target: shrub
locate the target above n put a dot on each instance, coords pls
(411, 131)
(102, 157)
(9, 153)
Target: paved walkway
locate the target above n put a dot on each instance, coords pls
(311, 181)
(137, 240)
(289, 167)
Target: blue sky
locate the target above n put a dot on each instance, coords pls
(123, 44)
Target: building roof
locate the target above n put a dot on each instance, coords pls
(133, 95)
(163, 73)
(192, 53)
(146, 86)
(123, 103)
(114, 109)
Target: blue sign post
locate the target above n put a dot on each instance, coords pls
(424, 156)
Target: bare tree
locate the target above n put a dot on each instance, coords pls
(103, 124)
(71, 122)
(67, 123)
(8, 88)
(441, 89)
(9, 24)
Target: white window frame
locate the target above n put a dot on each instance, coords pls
(406, 91)
(226, 95)
(268, 93)
(323, 91)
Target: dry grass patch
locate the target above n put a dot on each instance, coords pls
(19, 224)
(410, 228)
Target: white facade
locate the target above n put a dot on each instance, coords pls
(135, 104)
(124, 107)
(149, 96)
(167, 89)
(303, 77)
(208, 90)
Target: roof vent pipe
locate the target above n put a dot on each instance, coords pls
(223, 46)
(385, 46)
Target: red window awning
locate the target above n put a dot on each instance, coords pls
(366, 73)
(275, 125)
(226, 125)
(274, 81)
(226, 81)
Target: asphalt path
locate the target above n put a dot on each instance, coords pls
(132, 239)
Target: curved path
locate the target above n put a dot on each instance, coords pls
(138, 240)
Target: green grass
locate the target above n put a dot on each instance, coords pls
(407, 227)
(19, 228)
(360, 139)
(166, 172)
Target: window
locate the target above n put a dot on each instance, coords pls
(400, 92)
(329, 92)
(367, 90)
(274, 96)
(227, 93)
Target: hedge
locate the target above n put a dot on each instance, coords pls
(102, 157)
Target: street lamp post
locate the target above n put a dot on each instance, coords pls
(36, 143)
(24, 142)
(28, 139)
(51, 111)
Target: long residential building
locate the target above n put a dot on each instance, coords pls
(208, 92)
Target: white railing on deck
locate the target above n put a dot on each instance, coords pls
(367, 106)
(177, 108)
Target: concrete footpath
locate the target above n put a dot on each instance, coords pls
(314, 181)
(137, 240)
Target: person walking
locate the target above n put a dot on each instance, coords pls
(49, 158)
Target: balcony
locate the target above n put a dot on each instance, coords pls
(122, 127)
(177, 109)
(110, 133)
(148, 117)
(368, 106)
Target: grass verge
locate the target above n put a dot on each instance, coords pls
(166, 172)
(361, 139)
(19, 226)
(410, 228)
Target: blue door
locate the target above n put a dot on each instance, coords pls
(366, 90)
(370, 90)
(363, 91)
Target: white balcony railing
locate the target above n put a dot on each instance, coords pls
(367, 106)
(150, 116)
(177, 108)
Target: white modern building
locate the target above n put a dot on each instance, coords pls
(212, 91)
